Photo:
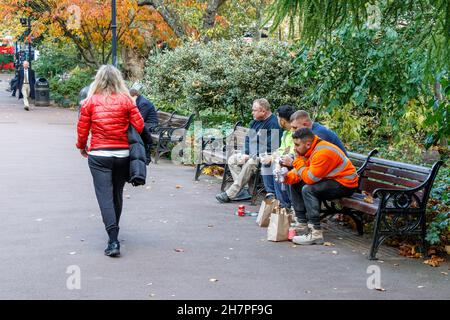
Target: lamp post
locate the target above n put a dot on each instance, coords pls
(114, 35)
(29, 41)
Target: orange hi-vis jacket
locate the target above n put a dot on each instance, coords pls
(324, 161)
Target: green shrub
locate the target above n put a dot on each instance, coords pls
(219, 81)
(56, 60)
(65, 89)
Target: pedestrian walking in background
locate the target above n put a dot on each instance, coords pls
(25, 84)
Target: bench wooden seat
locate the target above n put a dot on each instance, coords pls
(394, 193)
(217, 153)
(171, 129)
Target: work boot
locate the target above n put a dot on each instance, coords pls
(223, 197)
(314, 236)
(301, 229)
(243, 195)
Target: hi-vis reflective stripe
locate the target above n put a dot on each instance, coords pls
(313, 177)
(338, 169)
(351, 176)
(299, 171)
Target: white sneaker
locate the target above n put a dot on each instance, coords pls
(314, 236)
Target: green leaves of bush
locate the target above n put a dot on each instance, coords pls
(221, 77)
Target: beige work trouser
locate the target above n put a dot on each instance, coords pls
(241, 173)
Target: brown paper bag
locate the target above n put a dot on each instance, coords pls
(266, 209)
(280, 222)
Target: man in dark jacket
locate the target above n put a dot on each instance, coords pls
(146, 108)
(263, 137)
(148, 113)
(25, 84)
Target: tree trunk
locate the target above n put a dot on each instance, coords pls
(444, 147)
(209, 18)
(170, 17)
(257, 32)
(133, 64)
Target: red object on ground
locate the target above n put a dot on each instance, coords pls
(241, 210)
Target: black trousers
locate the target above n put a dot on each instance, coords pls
(109, 175)
(306, 199)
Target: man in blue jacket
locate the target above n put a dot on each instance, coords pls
(263, 137)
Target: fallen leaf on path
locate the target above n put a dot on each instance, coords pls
(179, 250)
(380, 289)
(328, 244)
(213, 280)
(368, 198)
(294, 246)
(178, 186)
(435, 261)
(444, 273)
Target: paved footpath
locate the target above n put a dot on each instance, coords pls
(50, 221)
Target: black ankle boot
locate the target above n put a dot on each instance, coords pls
(113, 249)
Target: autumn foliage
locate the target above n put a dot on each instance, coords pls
(87, 23)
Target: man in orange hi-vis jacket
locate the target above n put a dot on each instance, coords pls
(325, 173)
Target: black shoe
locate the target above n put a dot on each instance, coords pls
(243, 195)
(223, 197)
(27, 108)
(113, 249)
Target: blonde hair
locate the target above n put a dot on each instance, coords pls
(108, 81)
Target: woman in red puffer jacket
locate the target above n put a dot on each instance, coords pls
(106, 114)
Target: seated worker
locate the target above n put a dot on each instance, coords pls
(300, 119)
(263, 137)
(284, 114)
(324, 173)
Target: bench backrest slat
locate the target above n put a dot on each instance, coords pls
(178, 121)
(400, 165)
(238, 138)
(406, 174)
(163, 116)
(381, 173)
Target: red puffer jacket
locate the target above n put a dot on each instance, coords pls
(108, 120)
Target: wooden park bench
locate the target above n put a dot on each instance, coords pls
(218, 155)
(171, 129)
(394, 193)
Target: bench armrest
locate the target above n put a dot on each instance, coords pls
(370, 155)
(168, 133)
(400, 199)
